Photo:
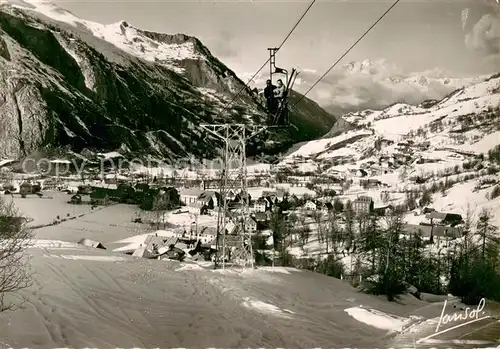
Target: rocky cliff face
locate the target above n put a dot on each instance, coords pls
(70, 83)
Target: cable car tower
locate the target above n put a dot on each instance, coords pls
(233, 242)
(233, 237)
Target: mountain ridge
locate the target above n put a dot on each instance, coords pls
(406, 149)
(63, 85)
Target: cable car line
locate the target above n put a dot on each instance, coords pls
(348, 50)
(265, 64)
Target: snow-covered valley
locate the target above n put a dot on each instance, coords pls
(379, 233)
(90, 297)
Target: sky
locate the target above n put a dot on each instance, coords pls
(416, 36)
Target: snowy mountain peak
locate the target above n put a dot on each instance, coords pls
(364, 66)
(164, 49)
(124, 23)
(475, 99)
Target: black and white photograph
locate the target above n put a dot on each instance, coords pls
(250, 174)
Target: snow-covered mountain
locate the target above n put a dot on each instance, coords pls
(66, 81)
(407, 147)
(394, 75)
(376, 84)
(373, 84)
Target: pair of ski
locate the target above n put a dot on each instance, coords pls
(275, 124)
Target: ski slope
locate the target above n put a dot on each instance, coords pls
(84, 297)
(93, 298)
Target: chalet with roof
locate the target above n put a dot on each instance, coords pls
(326, 207)
(451, 219)
(250, 226)
(141, 187)
(50, 184)
(404, 146)
(385, 161)
(100, 197)
(207, 235)
(356, 172)
(84, 189)
(271, 195)
(230, 195)
(370, 183)
(424, 145)
(197, 208)
(25, 189)
(281, 194)
(261, 216)
(76, 199)
(190, 195)
(426, 210)
(401, 158)
(241, 197)
(310, 206)
(293, 199)
(363, 205)
(127, 193)
(427, 230)
(261, 205)
(209, 199)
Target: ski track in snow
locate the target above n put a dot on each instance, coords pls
(377, 318)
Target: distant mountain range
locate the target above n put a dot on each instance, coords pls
(369, 84)
(374, 84)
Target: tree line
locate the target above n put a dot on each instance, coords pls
(388, 260)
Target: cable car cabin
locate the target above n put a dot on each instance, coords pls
(277, 102)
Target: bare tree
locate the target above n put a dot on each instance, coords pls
(317, 217)
(304, 231)
(385, 197)
(486, 231)
(333, 232)
(15, 238)
(403, 174)
(161, 203)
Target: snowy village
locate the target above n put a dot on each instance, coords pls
(151, 198)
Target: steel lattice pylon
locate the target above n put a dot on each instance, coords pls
(234, 176)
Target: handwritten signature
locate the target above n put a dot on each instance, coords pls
(468, 314)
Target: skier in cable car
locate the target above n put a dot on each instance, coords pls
(279, 92)
(280, 95)
(269, 95)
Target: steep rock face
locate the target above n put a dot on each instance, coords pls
(64, 85)
(309, 117)
(24, 121)
(4, 50)
(207, 72)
